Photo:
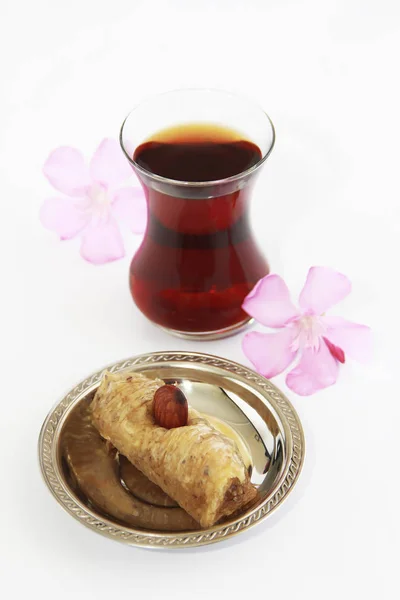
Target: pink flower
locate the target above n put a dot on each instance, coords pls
(93, 200)
(321, 342)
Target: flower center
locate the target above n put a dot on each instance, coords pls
(310, 329)
(98, 200)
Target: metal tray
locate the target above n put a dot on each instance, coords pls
(250, 404)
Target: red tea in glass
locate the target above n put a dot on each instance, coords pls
(198, 259)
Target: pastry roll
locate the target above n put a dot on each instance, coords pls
(196, 465)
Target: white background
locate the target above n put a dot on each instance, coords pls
(328, 74)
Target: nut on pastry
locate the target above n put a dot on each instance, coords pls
(170, 407)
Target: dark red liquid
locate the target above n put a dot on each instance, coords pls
(198, 259)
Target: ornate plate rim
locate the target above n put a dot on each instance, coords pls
(47, 447)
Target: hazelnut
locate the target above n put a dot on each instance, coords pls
(170, 407)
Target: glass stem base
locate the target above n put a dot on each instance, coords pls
(200, 336)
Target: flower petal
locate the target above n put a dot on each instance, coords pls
(270, 353)
(109, 165)
(66, 170)
(316, 370)
(129, 205)
(102, 242)
(354, 339)
(324, 287)
(269, 302)
(63, 216)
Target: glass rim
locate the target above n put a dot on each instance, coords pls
(199, 184)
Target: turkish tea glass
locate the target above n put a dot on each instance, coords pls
(198, 258)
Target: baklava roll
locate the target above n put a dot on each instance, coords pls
(196, 465)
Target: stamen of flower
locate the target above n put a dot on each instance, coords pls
(309, 333)
(98, 200)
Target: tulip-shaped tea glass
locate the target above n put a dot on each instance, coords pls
(197, 153)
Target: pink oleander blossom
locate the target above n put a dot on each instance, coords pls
(319, 342)
(93, 200)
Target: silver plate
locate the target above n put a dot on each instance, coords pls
(248, 402)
